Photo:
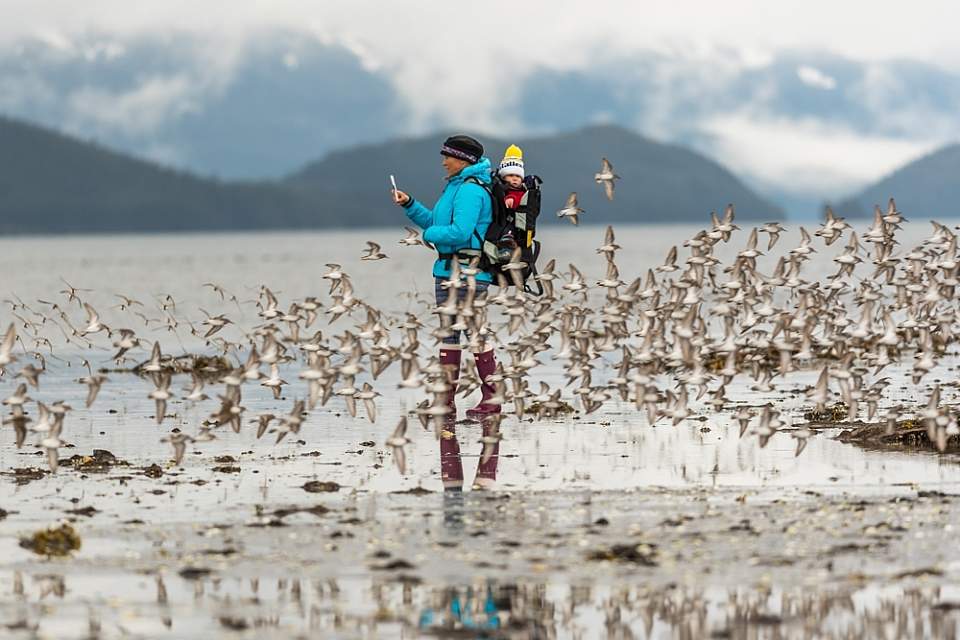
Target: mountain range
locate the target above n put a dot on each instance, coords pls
(51, 182)
(797, 126)
(926, 187)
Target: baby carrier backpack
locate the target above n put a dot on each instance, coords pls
(511, 228)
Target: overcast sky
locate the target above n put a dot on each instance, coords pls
(554, 30)
(452, 60)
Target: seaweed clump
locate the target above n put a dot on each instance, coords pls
(837, 412)
(643, 554)
(205, 367)
(100, 461)
(25, 475)
(53, 542)
(321, 486)
(906, 434)
(563, 407)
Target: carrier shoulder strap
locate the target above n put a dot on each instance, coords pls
(489, 190)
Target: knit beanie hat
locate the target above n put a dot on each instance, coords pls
(462, 148)
(512, 163)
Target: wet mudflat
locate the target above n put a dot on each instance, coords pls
(659, 563)
(593, 526)
(597, 526)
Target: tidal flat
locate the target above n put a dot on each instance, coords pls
(593, 524)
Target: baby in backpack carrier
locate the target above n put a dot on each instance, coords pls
(511, 174)
(517, 189)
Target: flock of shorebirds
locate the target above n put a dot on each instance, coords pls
(687, 328)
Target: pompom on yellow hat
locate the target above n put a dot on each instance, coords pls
(512, 163)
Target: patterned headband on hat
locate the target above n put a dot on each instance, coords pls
(457, 153)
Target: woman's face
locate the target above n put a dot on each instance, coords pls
(452, 166)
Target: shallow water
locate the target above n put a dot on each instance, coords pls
(553, 478)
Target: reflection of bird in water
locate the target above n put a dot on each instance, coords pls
(160, 394)
(397, 441)
(93, 382)
(491, 437)
(263, 423)
(51, 443)
(367, 395)
(179, 442)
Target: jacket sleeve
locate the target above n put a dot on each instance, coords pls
(467, 205)
(418, 213)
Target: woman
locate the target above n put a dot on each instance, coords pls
(458, 221)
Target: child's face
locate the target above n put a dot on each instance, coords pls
(513, 181)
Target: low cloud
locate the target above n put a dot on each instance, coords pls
(807, 156)
(138, 111)
(813, 77)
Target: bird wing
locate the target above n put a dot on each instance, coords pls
(853, 245)
(8, 338)
(605, 166)
(571, 201)
(92, 316)
(271, 299)
(728, 214)
(612, 272)
(608, 189)
(401, 429)
(93, 388)
(53, 458)
(400, 457)
(179, 448)
(371, 408)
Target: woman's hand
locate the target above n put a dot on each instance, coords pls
(400, 198)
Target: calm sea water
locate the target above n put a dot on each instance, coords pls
(614, 448)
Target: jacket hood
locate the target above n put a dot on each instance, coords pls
(480, 170)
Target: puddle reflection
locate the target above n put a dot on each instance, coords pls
(81, 606)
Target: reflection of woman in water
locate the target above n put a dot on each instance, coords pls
(466, 613)
(451, 465)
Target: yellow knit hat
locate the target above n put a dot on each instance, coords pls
(512, 163)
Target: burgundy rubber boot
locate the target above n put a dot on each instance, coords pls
(486, 365)
(450, 360)
(451, 466)
(487, 471)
